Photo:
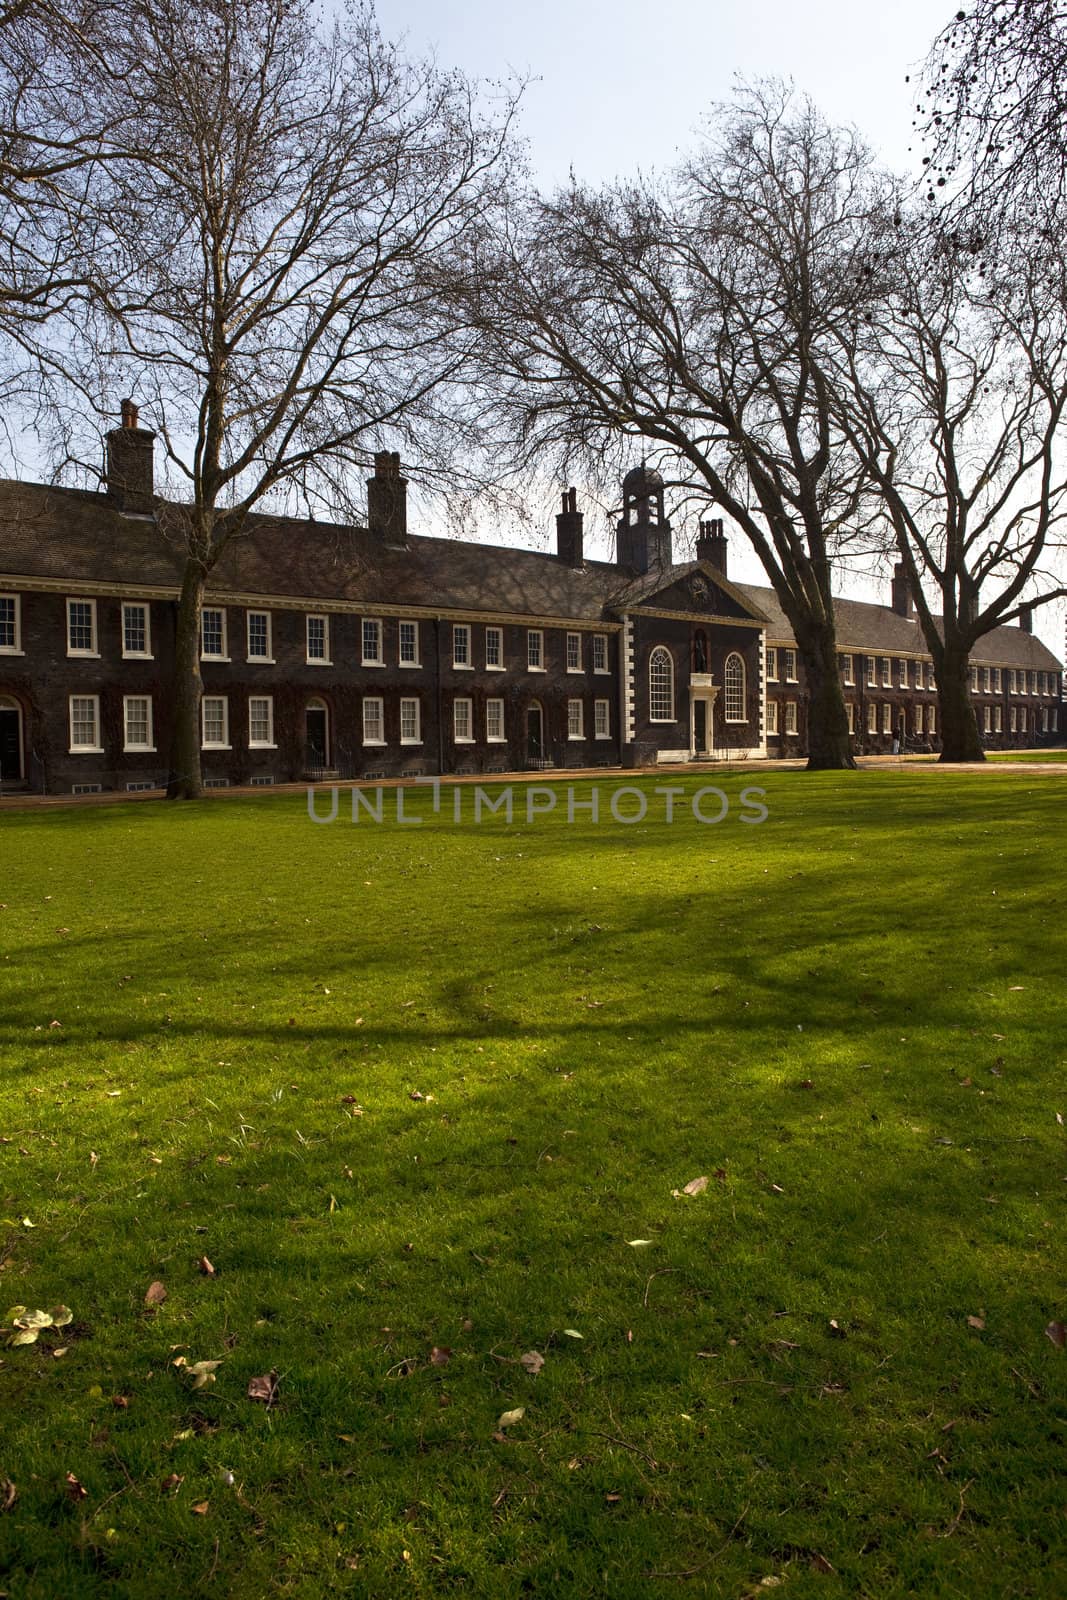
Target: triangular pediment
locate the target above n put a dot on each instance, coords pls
(696, 589)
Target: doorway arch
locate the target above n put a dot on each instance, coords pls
(12, 762)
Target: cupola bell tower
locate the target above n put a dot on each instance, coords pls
(643, 534)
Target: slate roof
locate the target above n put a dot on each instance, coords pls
(873, 629)
(74, 534)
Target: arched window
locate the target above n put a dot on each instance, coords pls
(734, 680)
(661, 685)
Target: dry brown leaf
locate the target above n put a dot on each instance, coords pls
(695, 1186)
(120, 1402)
(172, 1483)
(74, 1489)
(205, 1267)
(8, 1494)
(440, 1355)
(264, 1388)
(201, 1508)
(836, 1329)
(976, 1322)
(1057, 1333)
(156, 1294)
(508, 1419)
(533, 1361)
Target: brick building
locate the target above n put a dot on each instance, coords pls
(331, 650)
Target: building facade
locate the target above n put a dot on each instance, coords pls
(332, 651)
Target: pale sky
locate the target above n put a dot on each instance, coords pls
(617, 87)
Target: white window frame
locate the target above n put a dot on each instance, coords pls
(848, 670)
(574, 652)
(902, 674)
(95, 749)
(467, 718)
(378, 659)
(269, 742)
(15, 647)
(79, 650)
(1011, 680)
(325, 660)
(223, 653)
(872, 672)
(872, 716)
(1044, 719)
(146, 611)
(416, 737)
(215, 744)
(266, 659)
(576, 719)
(850, 712)
(987, 680)
(601, 719)
(772, 716)
(373, 712)
(996, 680)
(497, 634)
(535, 650)
(1013, 720)
(772, 663)
(461, 647)
(600, 653)
(887, 717)
(917, 719)
(496, 705)
(414, 660)
(974, 680)
(790, 666)
(987, 719)
(931, 719)
(659, 652)
(150, 740)
(731, 692)
(998, 719)
(887, 672)
(792, 730)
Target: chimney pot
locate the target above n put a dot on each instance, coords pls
(712, 544)
(387, 499)
(129, 473)
(570, 536)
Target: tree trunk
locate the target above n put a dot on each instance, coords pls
(829, 741)
(960, 740)
(184, 780)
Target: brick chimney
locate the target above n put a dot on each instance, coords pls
(129, 474)
(1026, 619)
(712, 544)
(902, 602)
(570, 539)
(387, 500)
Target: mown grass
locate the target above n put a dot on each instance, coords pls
(1056, 756)
(849, 1018)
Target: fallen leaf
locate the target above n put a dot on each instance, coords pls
(976, 1322)
(8, 1494)
(836, 1329)
(508, 1419)
(533, 1361)
(74, 1488)
(638, 1244)
(572, 1333)
(120, 1402)
(440, 1355)
(201, 1372)
(264, 1388)
(1057, 1333)
(201, 1508)
(156, 1294)
(612, 1499)
(695, 1186)
(172, 1484)
(205, 1267)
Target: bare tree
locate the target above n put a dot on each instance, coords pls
(952, 394)
(694, 315)
(261, 258)
(994, 110)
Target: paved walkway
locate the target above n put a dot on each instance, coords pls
(34, 802)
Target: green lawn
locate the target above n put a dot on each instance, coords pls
(417, 1087)
(1056, 756)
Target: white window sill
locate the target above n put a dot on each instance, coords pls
(791, 733)
(663, 722)
(137, 655)
(374, 744)
(262, 661)
(216, 747)
(10, 650)
(223, 659)
(410, 666)
(494, 666)
(461, 739)
(139, 749)
(83, 655)
(576, 738)
(462, 666)
(86, 750)
(317, 661)
(410, 741)
(536, 669)
(495, 738)
(256, 744)
(602, 672)
(362, 663)
(575, 672)
(736, 722)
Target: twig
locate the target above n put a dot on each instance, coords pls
(954, 1524)
(662, 1273)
